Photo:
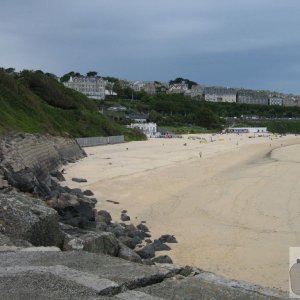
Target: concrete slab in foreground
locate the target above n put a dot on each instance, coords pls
(209, 286)
(81, 275)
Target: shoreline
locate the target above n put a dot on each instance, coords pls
(204, 195)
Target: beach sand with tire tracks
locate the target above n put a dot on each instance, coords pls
(233, 204)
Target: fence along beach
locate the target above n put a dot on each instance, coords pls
(234, 209)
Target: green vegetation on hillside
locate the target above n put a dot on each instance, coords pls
(183, 114)
(36, 102)
(33, 101)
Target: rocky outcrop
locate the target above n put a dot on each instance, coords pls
(26, 218)
(26, 160)
(31, 164)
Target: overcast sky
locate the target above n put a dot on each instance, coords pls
(237, 43)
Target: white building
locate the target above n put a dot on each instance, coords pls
(92, 87)
(178, 88)
(275, 100)
(196, 91)
(150, 129)
(247, 130)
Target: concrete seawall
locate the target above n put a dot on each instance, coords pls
(100, 140)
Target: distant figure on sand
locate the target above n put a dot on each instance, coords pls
(184, 144)
(63, 171)
(200, 154)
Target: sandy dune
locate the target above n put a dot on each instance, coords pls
(234, 211)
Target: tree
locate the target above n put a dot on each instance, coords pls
(181, 80)
(154, 116)
(67, 76)
(10, 70)
(91, 74)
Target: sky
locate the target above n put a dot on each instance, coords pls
(235, 43)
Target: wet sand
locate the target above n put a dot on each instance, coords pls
(234, 211)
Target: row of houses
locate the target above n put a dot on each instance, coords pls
(219, 94)
(96, 88)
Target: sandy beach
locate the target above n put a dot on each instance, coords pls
(233, 203)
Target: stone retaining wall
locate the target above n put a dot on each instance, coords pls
(26, 160)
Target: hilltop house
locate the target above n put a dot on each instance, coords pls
(196, 91)
(252, 97)
(146, 86)
(92, 87)
(219, 94)
(274, 100)
(290, 101)
(178, 88)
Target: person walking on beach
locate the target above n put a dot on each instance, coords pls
(200, 154)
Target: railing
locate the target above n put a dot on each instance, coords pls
(100, 140)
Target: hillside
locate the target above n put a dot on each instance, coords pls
(35, 102)
(183, 114)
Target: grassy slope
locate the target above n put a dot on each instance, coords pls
(37, 103)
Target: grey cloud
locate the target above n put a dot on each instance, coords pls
(234, 43)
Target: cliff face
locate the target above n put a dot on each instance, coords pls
(26, 160)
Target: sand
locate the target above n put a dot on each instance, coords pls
(234, 211)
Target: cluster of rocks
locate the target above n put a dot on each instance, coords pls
(26, 221)
(37, 210)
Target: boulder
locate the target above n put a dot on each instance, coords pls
(125, 217)
(77, 192)
(130, 228)
(104, 216)
(130, 242)
(100, 242)
(88, 193)
(128, 254)
(162, 259)
(72, 243)
(137, 233)
(147, 251)
(58, 175)
(79, 179)
(148, 262)
(112, 201)
(117, 229)
(167, 238)
(30, 219)
(75, 210)
(101, 226)
(142, 227)
(159, 246)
